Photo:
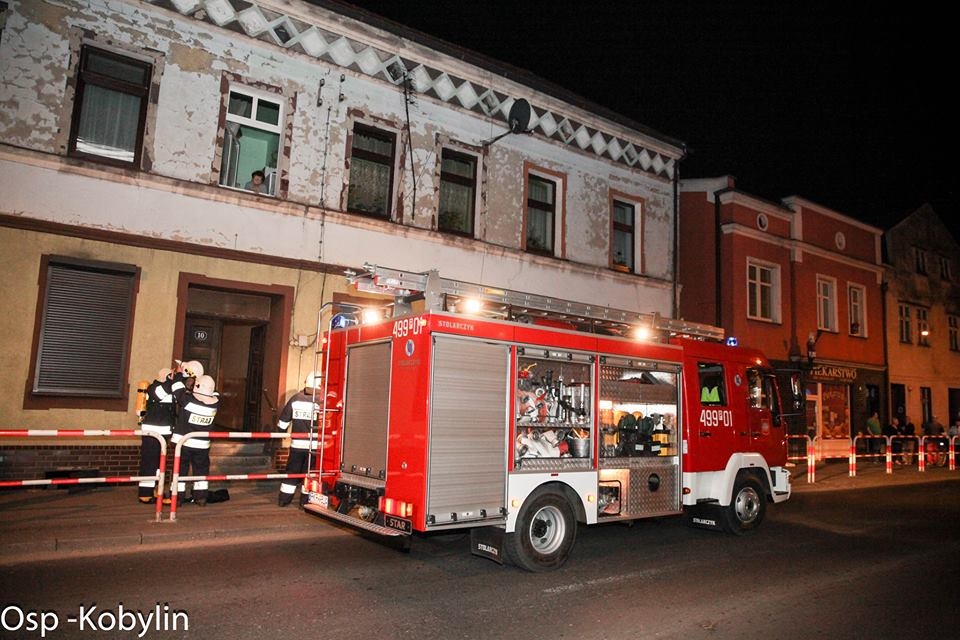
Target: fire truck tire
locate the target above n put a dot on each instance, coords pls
(747, 507)
(545, 533)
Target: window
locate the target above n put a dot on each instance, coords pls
(826, 303)
(763, 291)
(541, 214)
(856, 297)
(251, 141)
(371, 172)
(920, 260)
(903, 312)
(85, 328)
(622, 234)
(712, 389)
(458, 188)
(945, 271)
(110, 111)
(953, 324)
(923, 328)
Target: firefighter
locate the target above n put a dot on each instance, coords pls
(197, 409)
(158, 419)
(301, 410)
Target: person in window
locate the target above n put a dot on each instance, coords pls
(256, 182)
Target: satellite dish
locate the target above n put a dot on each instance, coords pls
(519, 116)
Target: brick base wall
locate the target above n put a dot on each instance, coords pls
(32, 462)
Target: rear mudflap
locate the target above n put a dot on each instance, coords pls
(487, 542)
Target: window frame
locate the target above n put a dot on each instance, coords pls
(40, 396)
(920, 260)
(857, 309)
(382, 135)
(774, 287)
(546, 207)
(629, 230)
(905, 323)
(85, 77)
(256, 96)
(953, 332)
(946, 272)
(923, 324)
(827, 304)
(455, 178)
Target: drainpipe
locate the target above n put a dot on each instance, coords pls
(676, 238)
(717, 258)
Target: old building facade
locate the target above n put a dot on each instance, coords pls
(923, 320)
(185, 179)
(800, 282)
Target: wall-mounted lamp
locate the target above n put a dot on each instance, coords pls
(812, 345)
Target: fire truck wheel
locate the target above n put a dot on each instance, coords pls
(546, 531)
(746, 509)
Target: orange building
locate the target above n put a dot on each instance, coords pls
(798, 281)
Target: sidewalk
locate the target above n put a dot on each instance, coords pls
(38, 524)
(44, 523)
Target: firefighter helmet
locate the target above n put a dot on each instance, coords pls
(204, 386)
(314, 380)
(192, 369)
(163, 374)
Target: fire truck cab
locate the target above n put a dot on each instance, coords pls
(520, 427)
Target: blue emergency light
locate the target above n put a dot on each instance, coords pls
(732, 341)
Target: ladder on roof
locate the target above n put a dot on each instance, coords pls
(437, 290)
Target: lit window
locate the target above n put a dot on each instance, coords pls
(111, 107)
(857, 296)
(826, 303)
(763, 291)
(458, 186)
(541, 214)
(371, 172)
(923, 328)
(623, 232)
(251, 141)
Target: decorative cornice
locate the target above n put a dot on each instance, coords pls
(284, 30)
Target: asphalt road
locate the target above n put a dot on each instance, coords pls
(871, 563)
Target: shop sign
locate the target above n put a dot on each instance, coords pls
(829, 372)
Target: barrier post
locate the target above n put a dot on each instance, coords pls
(889, 454)
(853, 456)
(953, 448)
(811, 461)
(922, 454)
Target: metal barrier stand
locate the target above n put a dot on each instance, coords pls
(90, 433)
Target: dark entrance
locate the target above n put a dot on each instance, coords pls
(226, 332)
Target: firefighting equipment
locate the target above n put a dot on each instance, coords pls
(314, 380)
(192, 369)
(142, 397)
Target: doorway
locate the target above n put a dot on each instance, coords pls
(237, 331)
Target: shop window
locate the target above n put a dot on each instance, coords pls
(541, 215)
(251, 141)
(826, 303)
(83, 347)
(712, 389)
(906, 332)
(763, 291)
(371, 172)
(622, 236)
(110, 110)
(458, 189)
(856, 300)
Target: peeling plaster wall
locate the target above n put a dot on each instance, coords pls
(193, 59)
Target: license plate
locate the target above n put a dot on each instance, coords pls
(400, 524)
(319, 499)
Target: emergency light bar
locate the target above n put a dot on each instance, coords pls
(435, 290)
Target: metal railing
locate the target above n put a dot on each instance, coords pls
(90, 433)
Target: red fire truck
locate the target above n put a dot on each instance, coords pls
(531, 416)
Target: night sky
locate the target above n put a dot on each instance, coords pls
(845, 107)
